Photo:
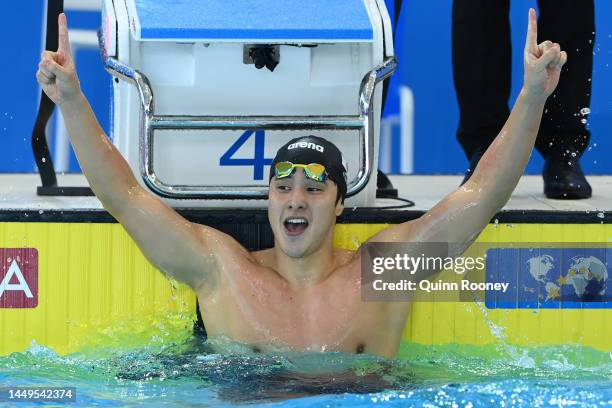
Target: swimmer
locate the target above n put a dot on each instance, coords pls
(303, 293)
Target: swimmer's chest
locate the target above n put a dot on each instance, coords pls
(328, 316)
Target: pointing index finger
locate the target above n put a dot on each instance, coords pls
(532, 31)
(63, 40)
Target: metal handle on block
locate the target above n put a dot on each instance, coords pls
(149, 122)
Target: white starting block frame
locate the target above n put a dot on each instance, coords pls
(137, 37)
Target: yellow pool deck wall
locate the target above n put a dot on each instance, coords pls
(97, 289)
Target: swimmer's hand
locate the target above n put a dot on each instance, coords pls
(543, 62)
(56, 70)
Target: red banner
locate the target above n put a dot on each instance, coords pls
(18, 278)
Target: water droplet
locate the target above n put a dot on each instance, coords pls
(594, 161)
(44, 160)
(573, 154)
(585, 111)
(594, 144)
(40, 211)
(583, 121)
(600, 214)
(569, 163)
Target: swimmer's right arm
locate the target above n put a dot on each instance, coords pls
(103, 166)
(181, 249)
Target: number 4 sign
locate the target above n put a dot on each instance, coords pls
(258, 161)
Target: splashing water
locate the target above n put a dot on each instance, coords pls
(206, 374)
(179, 369)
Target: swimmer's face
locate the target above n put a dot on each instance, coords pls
(302, 213)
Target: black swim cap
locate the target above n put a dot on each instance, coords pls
(314, 149)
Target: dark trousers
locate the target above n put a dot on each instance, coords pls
(482, 66)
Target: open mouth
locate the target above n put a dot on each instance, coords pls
(295, 225)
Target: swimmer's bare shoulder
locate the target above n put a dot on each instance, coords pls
(189, 252)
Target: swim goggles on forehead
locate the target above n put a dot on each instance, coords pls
(313, 171)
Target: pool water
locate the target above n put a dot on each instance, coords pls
(220, 372)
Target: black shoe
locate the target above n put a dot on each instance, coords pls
(474, 159)
(563, 177)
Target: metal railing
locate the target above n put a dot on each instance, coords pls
(149, 122)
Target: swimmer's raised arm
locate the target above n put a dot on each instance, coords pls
(462, 215)
(105, 170)
(179, 248)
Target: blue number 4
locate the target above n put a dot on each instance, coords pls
(258, 161)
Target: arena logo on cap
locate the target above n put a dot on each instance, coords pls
(18, 278)
(307, 145)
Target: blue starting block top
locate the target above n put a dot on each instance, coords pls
(256, 20)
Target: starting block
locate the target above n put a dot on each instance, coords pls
(206, 91)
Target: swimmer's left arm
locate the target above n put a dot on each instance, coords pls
(463, 214)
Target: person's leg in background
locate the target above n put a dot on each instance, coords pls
(482, 55)
(563, 135)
